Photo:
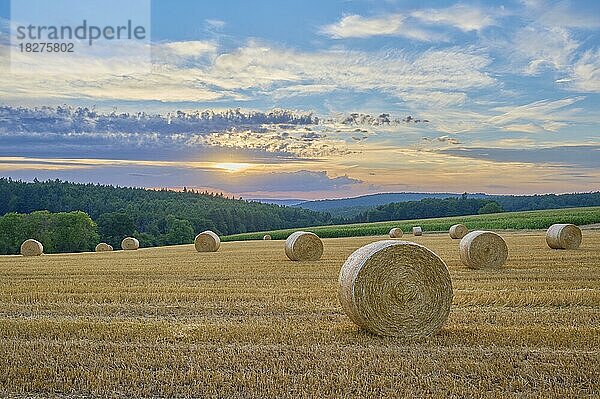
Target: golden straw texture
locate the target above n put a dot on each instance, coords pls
(563, 236)
(483, 250)
(207, 241)
(130, 244)
(417, 231)
(396, 288)
(302, 245)
(396, 232)
(458, 231)
(32, 248)
(103, 247)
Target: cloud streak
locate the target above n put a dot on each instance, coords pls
(356, 26)
(460, 16)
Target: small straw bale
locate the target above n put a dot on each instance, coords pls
(483, 249)
(417, 231)
(103, 247)
(130, 244)
(396, 288)
(207, 241)
(267, 237)
(32, 248)
(458, 231)
(563, 236)
(302, 245)
(396, 232)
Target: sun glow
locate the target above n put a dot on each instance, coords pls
(233, 167)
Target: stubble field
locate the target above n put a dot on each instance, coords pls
(246, 322)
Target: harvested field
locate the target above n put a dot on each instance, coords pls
(249, 322)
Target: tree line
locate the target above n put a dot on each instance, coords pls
(428, 208)
(58, 232)
(72, 217)
(155, 217)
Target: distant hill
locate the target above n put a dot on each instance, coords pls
(282, 202)
(350, 207)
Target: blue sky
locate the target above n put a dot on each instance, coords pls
(510, 90)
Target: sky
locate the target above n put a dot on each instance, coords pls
(506, 93)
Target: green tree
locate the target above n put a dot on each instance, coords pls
(11, 233)
(73, 232)
(58, 232)
(114, 226)
(179, 231)
(490, 207)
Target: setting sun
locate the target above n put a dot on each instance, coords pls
(233, 167)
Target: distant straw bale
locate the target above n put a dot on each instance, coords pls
(130, 244)
(207, 241)
(103, 247)
(396, 232)
(483, 250)
(563, 236)
(32, 248)
(302, 245)
(458, 231)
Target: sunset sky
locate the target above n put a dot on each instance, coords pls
(510, 91)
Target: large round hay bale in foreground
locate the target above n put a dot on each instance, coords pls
(458, 231)
(396, 232)
(103, 247)
(32, 248)
(396, 288)
(483, 250)
(130, 244)
(207, 241)
(563, 236)
(302, 245)
(267, 237)
(417, 231)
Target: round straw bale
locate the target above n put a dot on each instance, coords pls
(417, 231)
(396, 232)
(458, 231)
(563, 236)
(483, 249)
(207, 241)
(130, 244)
(396, 288)
(32, 248)
(302, 245)
(267, 237)
(103, 247)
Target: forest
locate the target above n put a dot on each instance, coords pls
(155, 217)
(429, 208)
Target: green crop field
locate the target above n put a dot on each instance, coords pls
(246, 322)
(530, 220)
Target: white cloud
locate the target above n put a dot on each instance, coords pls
(186, 49)
(538, 116)
(586, 72)
(215, 23)
(538, 48)
(299, 143)
(436, 98)
(463, 17)
(387, 25)
(565, 14)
